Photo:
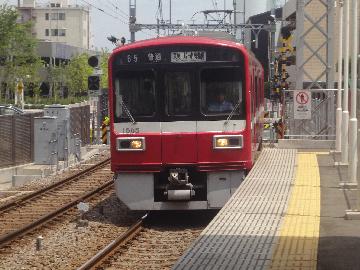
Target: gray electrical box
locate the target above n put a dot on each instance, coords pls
(45, 140)
(62, 114)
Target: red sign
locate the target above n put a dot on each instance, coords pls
(302, 97)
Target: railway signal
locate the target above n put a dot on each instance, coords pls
(94, 82)
(94, 79)
(94, 61)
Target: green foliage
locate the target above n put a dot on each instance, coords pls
(20, 61)
(76, 74)
(18, 49)
(40, 102)
(104, 67)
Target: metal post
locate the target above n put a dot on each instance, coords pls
(170, 12)
(132, 12)
(345, 114)
(340, 60)
(98, 126)
(158, 27)
(353, 121)
(330, 63)
(300, 17)
(234, 5)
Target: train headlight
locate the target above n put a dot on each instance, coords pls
(228, 142)
(130, 144)
(222, 142)
(136, 144)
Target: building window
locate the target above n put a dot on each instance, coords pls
(47, 32)
(47, 16)
(62, 32)
(56, 16)
(58, 32)
(54, 32)
(62, 16)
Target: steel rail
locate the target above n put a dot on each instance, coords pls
(5, 239)
(39, 192)
(111, 248)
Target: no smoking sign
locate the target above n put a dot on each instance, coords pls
(302, 104)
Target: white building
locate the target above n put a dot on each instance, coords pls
(57, 21)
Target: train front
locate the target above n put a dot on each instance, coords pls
(180, 134)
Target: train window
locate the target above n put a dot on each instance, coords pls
(178, 93)
(221, 91)
(135, 92)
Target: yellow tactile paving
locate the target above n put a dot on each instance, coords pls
(299, 234)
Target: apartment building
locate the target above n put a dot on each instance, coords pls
(58, 21)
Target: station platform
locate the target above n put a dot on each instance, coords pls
(289, 213)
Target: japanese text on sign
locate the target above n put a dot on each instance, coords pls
(188, 57)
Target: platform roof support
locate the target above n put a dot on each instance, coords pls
(315, 17)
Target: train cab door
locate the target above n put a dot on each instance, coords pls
(179, 128)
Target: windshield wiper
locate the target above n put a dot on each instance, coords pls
(128, 113)
(232, 113)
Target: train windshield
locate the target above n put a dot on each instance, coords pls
(221, 91)
(178, 93)
(135, 94)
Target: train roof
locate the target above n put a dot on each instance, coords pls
(180, 40)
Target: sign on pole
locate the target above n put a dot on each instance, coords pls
(20, 87)
(302, 104)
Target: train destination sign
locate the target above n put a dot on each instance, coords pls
(178, 55)
(188, 57)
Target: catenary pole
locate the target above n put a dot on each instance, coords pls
(345, 114)
(339, 92)
(353, 121)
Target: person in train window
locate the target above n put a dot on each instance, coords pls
(220, 104)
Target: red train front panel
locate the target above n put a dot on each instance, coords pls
(181, 122)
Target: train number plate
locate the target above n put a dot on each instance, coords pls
(188, 57)
(130, 130)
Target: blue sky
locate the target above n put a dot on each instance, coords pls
(103, 24)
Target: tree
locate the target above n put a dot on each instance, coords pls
(76, 74)
(104, 68)
(20, 60)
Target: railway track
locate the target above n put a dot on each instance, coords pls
(109, 250)
(35, 209)
(150, 245)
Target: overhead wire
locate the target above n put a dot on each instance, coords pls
(114, 17)
(117, 8)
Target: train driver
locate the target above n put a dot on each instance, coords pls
(220, 104)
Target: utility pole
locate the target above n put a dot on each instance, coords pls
(354, 213)
(345, 114)
(339, 92)
(353, 120)
(170, 12)
(234, 4)
(132, 19)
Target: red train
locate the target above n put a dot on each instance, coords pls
(186, 118)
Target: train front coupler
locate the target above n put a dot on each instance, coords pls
(179, 187)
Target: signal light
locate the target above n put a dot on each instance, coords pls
(94, 83)
(94, 61)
